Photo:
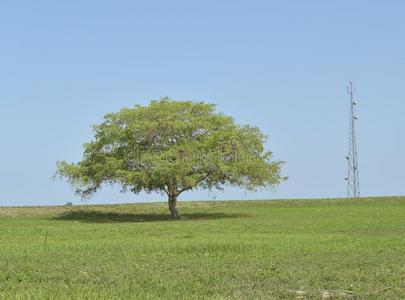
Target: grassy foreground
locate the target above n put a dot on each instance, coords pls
(306, 249)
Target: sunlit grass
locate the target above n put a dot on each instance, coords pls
(221, 250)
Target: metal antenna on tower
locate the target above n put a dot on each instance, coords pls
(353, 183)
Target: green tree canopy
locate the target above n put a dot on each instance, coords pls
(171, 147)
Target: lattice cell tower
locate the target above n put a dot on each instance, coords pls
(353, 182)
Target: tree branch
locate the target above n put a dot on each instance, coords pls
(198, 181)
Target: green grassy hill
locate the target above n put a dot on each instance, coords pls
(305, 249)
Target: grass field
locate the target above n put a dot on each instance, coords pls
(307, 249)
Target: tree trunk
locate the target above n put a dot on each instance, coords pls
(172, 207)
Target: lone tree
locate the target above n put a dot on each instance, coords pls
(171, 147)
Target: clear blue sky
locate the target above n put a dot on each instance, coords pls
(280, 65)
